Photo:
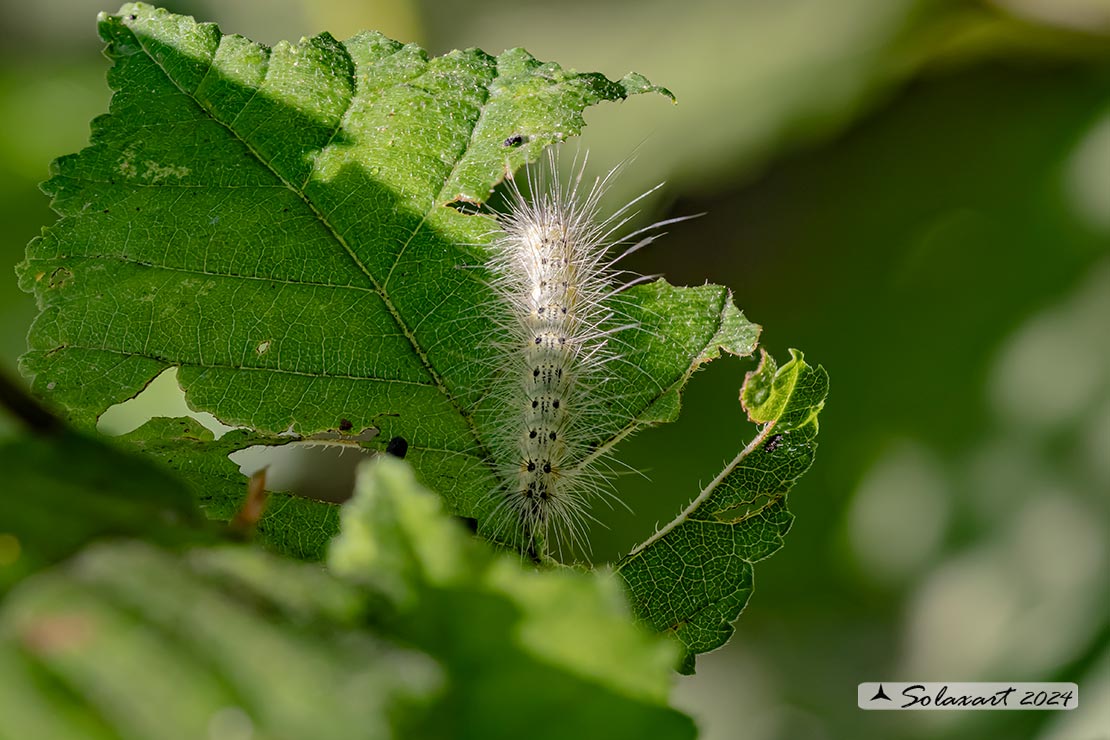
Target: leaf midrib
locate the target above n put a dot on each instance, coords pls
(701, 498)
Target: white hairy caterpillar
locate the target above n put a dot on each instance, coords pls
(558, 293)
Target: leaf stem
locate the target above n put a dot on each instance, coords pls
(706, 492)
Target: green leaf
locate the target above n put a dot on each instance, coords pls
(516, 643)
(130, 641)
(291, 524)
(62, 490)
(279, 225)
(419, 630)
(694, 576)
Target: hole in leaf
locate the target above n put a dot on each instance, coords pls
(161, 397)
(465, 206)
(746, 509)
(325, 472)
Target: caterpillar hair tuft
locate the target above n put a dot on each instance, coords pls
(560, 325)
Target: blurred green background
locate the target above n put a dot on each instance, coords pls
(914, 192)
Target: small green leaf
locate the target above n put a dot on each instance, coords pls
(694, 576)
(563, 635)
(758, 396)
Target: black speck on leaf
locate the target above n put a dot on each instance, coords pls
(398, 447)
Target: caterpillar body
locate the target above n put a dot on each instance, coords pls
(557, 287)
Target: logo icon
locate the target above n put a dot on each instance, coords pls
(880, 694)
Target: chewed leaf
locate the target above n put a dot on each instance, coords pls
(277, 224)
(293, 525)
(695, 575)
